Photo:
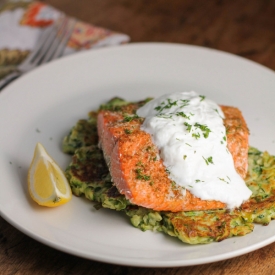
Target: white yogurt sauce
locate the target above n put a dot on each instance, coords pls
(188, 130)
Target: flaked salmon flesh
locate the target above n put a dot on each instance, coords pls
(141, 176)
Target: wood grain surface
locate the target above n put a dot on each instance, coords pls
(245, 28)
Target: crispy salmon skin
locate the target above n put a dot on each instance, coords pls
(141, 176)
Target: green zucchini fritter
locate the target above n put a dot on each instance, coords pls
(88, 175)
(84, 133)
(260, 208)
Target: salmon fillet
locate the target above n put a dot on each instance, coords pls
(141, 176)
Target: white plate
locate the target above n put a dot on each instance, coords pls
(44, 104)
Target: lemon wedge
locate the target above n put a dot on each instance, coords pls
(47, 183)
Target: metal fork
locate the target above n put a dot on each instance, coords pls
(50, 45)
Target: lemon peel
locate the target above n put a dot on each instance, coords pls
(47, 183)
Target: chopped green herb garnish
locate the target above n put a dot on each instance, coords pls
(127, 131)
(188, 126)
(188, 144)
(141, 176)
(184, 157)
(208, 160)
(165, 116)
(128, 118)
(202, 97)
(222, 179)
(216, 110)
(185, 102)
(196, 135)
(159, 108)
(182, 114)
(163, 106)
(204, 129)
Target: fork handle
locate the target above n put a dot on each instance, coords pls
(9, 78)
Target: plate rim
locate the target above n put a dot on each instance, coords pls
(122, 262)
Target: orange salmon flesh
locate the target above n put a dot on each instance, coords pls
(141, 176)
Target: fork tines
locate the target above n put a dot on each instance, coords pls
(50, 45)
(52, 41)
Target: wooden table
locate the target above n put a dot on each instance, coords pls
(245, 28)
